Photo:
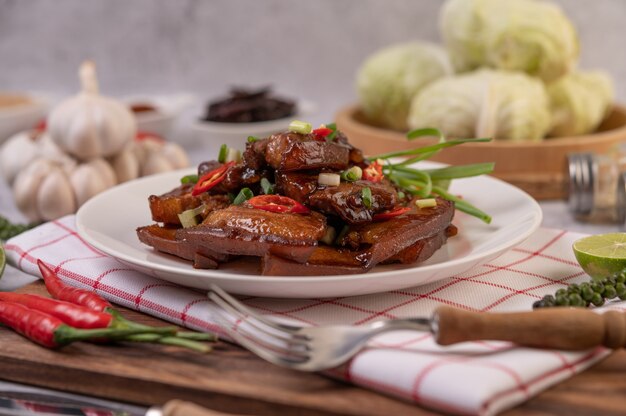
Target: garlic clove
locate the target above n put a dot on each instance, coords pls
(176, 155)
(17, 152)
(146, 147)
(156, 163)
(105, 171)
(126, 165)
(87, 181)
(55, 197)
(27, 184)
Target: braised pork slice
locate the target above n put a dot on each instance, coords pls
(164, 240)
(165, 208)
(293, 151)
(326, 260)
(346, 200)
(296, 185)
(240, 230)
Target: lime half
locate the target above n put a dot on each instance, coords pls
(601, 255)
(3, 260)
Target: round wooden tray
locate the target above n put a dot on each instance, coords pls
(539, 168)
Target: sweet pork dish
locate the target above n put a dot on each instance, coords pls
(305, 202)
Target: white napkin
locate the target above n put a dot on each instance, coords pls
(481, 378)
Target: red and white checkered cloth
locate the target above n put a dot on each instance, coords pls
(477, 378)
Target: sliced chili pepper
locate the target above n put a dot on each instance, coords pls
(373, 173)
(142, 135)
(51, 332)
(41, 125)
(321, 132)
(277, 203)
(387, 215)
(211, 179)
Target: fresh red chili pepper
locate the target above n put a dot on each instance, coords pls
(61, 291)
(76, 316)
(322, 132)
(51, 332)
(373, 173)
(387, 215)
(41, 125)
(277, 203)
(211, 179)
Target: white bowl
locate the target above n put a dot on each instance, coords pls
(159, 122)
(14, 119)
(235, 134)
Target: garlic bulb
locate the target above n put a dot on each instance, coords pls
(23, 148)
(89, 125)
(89, 179)
(42, 191)
(126, 165)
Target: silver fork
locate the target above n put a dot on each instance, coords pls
(320, 348)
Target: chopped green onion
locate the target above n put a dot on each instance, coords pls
(231, 196)
(342, 234)
(401, 195)
(329, 179)
(332, 135)
(268, 188)
(189, 179)
(189, 218)
(353, 174)
(252, 139)
(366, 195)
(329, 236)
(243, 196)
(426, 203)
(221, 157)
(234, 155)
(301, 127)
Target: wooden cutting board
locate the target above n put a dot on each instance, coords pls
(232, 380)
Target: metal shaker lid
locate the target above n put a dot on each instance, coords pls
(581, 170)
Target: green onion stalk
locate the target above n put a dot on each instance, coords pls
(428, 183)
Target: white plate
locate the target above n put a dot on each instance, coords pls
(108, 222)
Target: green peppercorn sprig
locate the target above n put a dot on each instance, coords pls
(585, 294)
(9, 230)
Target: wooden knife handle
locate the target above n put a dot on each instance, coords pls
(182, 408)
(559, 328)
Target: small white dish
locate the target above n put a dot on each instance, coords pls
(109, 220)
(169, 108)
(235, 134)
(16, 118)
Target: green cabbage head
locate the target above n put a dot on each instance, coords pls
(390, 78)
(504, 105)
(579, 102)
(524, 35)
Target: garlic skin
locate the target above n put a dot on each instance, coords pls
(89, 125)
(176, 155)
(88, 180)
(126, 165)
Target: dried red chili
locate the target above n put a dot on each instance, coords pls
(277, 203)
(211, 179)
(374, 172)
(387, 215)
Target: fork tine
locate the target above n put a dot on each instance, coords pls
(251, 319)
(259, 349)
(235, 303)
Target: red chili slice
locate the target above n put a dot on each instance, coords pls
(321, 132)
(277, 203)
(387, 215)
(211, 179)
(142, 135)
(373, 173)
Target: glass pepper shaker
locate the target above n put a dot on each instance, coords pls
(597, 187)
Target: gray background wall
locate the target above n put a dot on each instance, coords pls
(305, 48)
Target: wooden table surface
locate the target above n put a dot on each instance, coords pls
(231, 379)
